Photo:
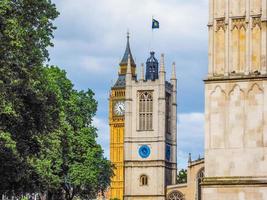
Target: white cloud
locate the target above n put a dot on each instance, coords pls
(90, 42)
(103, 134)
(190, 136)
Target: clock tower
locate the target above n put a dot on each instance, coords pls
(117, 124)
(150, 132)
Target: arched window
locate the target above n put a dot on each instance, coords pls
(145, 111)
(199, 178)
(175, 195)
(143, 180)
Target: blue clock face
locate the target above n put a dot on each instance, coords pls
(168, 152)
(144, 151)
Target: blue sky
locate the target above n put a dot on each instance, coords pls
(90, 41)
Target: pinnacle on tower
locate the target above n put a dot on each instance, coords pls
(142, 74)
(173, 77)
(189, 158)
(162, 65)
(129, 65)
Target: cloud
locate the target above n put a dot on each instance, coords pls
(90, 42)
(190, 137)
(103, 134)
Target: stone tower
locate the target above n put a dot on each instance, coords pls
(150, 132)
(236, 101)
(117, 124)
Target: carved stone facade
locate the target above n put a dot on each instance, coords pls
(236, 102)
(150, 146)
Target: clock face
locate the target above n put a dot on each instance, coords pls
(144, 151)
(119, 108)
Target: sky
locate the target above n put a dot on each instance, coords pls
(90, 41)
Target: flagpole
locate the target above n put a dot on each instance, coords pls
(152, 34)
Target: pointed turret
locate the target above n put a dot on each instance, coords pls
(120, 83)
(127, 53)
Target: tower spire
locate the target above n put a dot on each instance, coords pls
(127, 53)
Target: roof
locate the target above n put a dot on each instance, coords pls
(127, 52)
(120, 83)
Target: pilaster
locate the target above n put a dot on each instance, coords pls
(174, 121)
(264, 45)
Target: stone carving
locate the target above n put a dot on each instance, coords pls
(176, 195)
(256, 22)
(220, 25)
(239, 23)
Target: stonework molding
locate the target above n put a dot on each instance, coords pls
(253, 86)
(235, 86)
(239, 23)
(217, 87)
(176, 195)
(245, 181)
(256, 21)
(220, 24)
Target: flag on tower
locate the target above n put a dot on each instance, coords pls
(155, 24)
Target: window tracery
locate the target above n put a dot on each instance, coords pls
(199, 178)
(175, 195)
(145, 111)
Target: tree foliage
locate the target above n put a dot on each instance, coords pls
(47, 141)
(27, 109)
(79, 170)
(182, 176)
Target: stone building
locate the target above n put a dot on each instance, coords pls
(143, 127)
(191, 190)
(236, 101)
(150, 132)
(117, 123)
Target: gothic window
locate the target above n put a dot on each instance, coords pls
(175, 195)
(143, 180)
(145, 111)
(168, 113)
(199, 178)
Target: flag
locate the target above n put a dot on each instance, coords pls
(155, 24)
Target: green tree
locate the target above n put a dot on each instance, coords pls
(182, 176)
(71, 162)
(27, 108)
(47, 141)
